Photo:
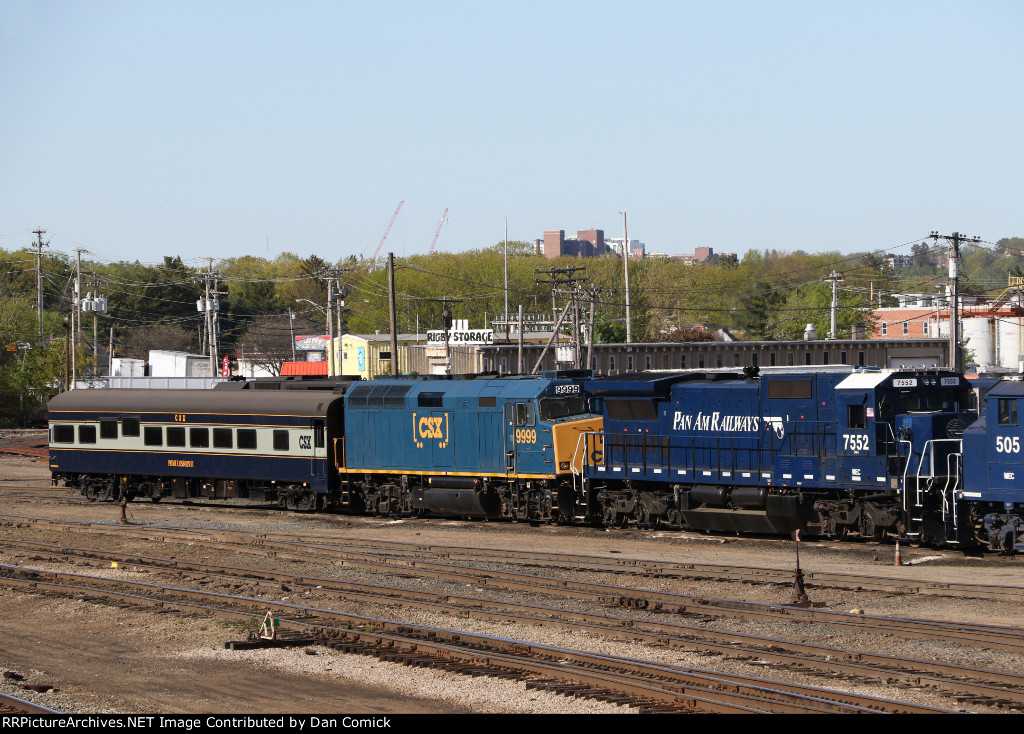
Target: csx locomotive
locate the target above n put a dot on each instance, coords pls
(830, 450)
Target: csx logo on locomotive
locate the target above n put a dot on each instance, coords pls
(430, 426)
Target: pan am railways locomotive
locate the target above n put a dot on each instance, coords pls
(824, 449)
(474, 446)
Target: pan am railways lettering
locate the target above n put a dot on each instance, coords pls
(716, 422)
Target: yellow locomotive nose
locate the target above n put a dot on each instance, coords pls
(569, 444)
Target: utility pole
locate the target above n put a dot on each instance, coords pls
(331, 370)
(565, 280)
(211, 307)
(446, 321)
(625, 258)
(836, 279)
(393, 316)
(95, 329)
(335, 303)
(956, 360)
(291, 329)
(39, 275)
(506, 279)
(519, 357)
(76, 319)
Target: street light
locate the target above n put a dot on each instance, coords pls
(314, 305)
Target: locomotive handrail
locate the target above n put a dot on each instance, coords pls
(950, 492)
(580, 444)
(928, 450)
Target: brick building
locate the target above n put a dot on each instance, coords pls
(587, 243)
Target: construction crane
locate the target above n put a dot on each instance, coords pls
(386, 231)
(438, 230)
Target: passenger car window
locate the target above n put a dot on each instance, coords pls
(280, 440)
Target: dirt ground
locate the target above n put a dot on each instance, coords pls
(104, 659)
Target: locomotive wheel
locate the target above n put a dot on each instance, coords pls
(156, 498)
(642, 516)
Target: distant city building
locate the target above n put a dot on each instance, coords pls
(637, 249)
(593, 243)
(702, 255)
(899, 261)
(587, 243)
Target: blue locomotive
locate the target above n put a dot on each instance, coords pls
(471, 446)
(824, 449)
(990, 491)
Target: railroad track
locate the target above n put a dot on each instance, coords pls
(982, 636)
(993, 687)
(14, 705)
(638, 683)
(413, 553)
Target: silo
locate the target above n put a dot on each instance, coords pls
(977, 336)
(1009, 340)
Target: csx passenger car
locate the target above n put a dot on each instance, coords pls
(262, 445)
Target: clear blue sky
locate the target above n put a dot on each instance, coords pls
(143, 129)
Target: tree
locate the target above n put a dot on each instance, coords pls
(607, 331)
(693, 334)
(268, 343)
(138, 342)
(760, 313)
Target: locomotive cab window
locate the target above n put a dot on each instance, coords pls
(280, 440)
(1007, 412)
(525, 415)
(552, 408)
(856, 416)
